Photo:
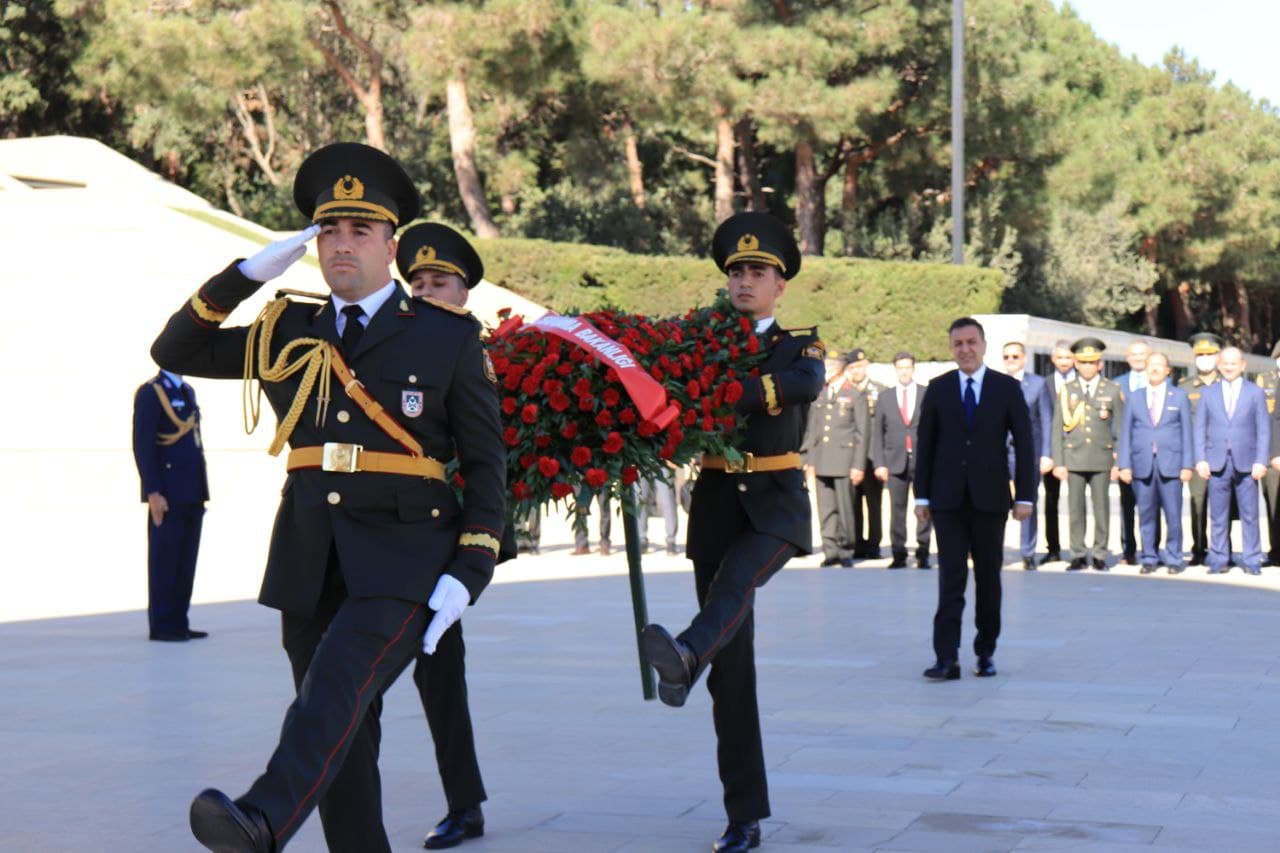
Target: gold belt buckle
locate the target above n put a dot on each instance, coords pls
(340, 458)
(742, 466)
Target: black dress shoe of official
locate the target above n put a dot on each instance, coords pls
(1100, 564)
(1076, 565)
(193, 634)
(829, 561)
(1028, 564)
(676, 663)
(739, 836)
(943, 671)
(455, 828)
(985, 668)
(1052, 557)
(922, 562)
(1147, 568)
(225, 826)
(898, 563)
(846, 562)
(166, 637)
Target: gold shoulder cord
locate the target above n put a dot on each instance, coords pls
(1072, 419)
(315, 361)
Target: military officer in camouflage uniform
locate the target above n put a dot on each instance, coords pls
(1086, 430)
(835, 445)
(1269, 382)
(870, 489)
(371, 555)
(1205, 346)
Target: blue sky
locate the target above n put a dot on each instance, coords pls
(1235, 38)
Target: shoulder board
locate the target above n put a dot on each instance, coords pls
(444, 306)
(285, 291)
(803, 331)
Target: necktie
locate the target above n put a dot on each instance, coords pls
(902, 411)
(1153, 407)
(1229, 392)
(970, 401)
(353, 330)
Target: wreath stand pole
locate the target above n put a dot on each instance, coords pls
(639, 604)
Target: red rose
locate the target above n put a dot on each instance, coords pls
(656, 372)
(667, 451)
(744, 324)
(527, 460)
(693, 389)
(520, 489)
(509, 405)
(708, 423)
(564, 368)
(596, 477)
(551, 387)
(610, 397)
(604, 420)
(706, 406)
(733, 392)
(611, 375)
(542, 441)
(582, 387)
(511, 382)
(612, 443)
(647, 428)
(548, 467)
(459, 481)
(511, 436)
(529, 385)
(569, 431)
(753, 344)
(580, 456)
(559, 402)
(529, 414)
(561, 490)
(690, 417)
(630, 474)
(627, 416)
(587, 403)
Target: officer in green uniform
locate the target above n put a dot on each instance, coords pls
(835, 445)
(1269, 382)
(1205, 346)
(371, 556)
(870, 490)
(748, 517)
(1086, 429)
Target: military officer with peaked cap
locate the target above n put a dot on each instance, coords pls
(1086, 430)
(835, 447)
(439, 263)
(375, 391)
(1205, 347)
(868, 493)
(747, 518)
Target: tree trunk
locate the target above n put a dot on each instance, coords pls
(748, 172)
(635, 169)
(724, 169)
(462, 141)
(1246, 319)
(1149, 320)
(848, 205)
(1183, 322)
(811, 211)
(370, 96)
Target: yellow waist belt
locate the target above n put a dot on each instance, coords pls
(350, 458)
(751, 463)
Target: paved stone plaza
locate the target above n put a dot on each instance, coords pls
(1129, 713)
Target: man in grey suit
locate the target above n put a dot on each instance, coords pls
(893, 437)
(1036, 391)
(1155, 456)
(1232, 440)
(835, 450)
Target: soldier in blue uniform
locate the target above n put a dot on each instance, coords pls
(748, 517)
(371, 556)
(175, 486)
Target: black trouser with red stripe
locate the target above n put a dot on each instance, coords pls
(344, 655)
(722, 634)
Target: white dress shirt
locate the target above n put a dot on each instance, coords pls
(370, 305)
(762, 324)
(1231, 394)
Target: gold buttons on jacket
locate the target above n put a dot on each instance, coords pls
(742, 487)
(412, 378)
(335, 498)
(343, 416)
(435, 512)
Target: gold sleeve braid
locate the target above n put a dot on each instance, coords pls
(315, 360)
(478, 540)
(772, 405)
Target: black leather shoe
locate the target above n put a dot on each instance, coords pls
(676, 663)
(738, 837)
(898, 563)
(922, 562)
(1028, 565)
(1221, 571)
(1177, 570)
(456, 828)
(985, 668)
(1147, 569)
(829, 561)
(846, 562)
(225, 826)
(1100, 564)
(1052, 557)
(1198, 558)
(940, 671)
(193, 634)
(1076, 565)
(161, 637)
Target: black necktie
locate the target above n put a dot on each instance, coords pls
(970, 401)
(353, 330)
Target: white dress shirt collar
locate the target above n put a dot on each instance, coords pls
(763, 324)
(370, 304)
(977, 376)
(172, 377)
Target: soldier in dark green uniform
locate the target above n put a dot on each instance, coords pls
(834, 446)
(748, 517)
(371, 556)
(1269, 382)
(1086, 429)
(870, 490)
(1205, 346)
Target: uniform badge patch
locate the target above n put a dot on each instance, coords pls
(488, 369)
(817, 350)
(411, 403)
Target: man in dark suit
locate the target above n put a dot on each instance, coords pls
(966, 421)
(748, 517)
(1232, 441)
(835, 447)
(175, 486)
(1155, 455)
(371, 556)
(1035, 390)
(1063, 373)
(893, 438)
(1133, 380)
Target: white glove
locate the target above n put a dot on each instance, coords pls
(278, 256)
(449, 601)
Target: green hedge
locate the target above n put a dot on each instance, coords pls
(881, 306)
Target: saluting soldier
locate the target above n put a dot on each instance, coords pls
(438, 263)
(746, 520)
(1205, 346)
(1269, 382)
(870, 489)
(371, 557)
(835, 445)
(1086, 430)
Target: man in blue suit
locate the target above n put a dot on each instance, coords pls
(961, 485)
(1137, 354)
(1233, 440)
(1035, 390)
(1155, 455)
(166, 448)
